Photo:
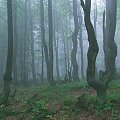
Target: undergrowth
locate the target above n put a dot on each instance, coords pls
(63, 102)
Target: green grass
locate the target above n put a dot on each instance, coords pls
(65, 101)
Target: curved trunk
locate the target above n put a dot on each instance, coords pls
(92, 52)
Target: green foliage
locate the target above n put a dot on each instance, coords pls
(86, 102)
(114, 115)
(51, 93)
(5, 111)
(115, 84)
(91, 103)
(41, 111)
(68, 101)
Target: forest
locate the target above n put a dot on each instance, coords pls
(59, 60)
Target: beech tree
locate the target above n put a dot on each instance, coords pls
(92, 52)
(32, 43)
(75, 43)
(43, 39)
(15, 44)
(8, 70)
(50, 24)
(24, 69)
(80, 18)
(111, 47)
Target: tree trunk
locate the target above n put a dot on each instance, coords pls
(42, 76)
(56, 50)
(8, 72)
(95, 29)
(81, 44)
(82, 55)
(25, 47)
(66, 78)
(50, 22)
(2, 63)
(111, 51)
(104, 41)
(95, 17)
(92, 52)
(75, 44)
(32, 43)
(56, 43)
(15, 44)
(43, 40)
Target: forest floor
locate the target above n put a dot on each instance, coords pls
(64, 101)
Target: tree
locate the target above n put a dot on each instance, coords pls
(95, 17)
(55, 30)
(24, 79)
(92, 52)
(81, 42)
(111, 47)
(8, 72)
(32, 43)
(50, 24)
(44, 45)
(75, 44)
(15, 42)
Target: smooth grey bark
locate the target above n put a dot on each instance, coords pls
(15, 42)
(42, 76)
(56, 42)
(44, 45)
(2, 63)
(81, 43)
(95, 17)
(50, 24)
(95, 29)
(8, 71)
(56, 50)
(75, 43)
(24, 80)
(66, 78)
(103, 74)
(104, 41)
(21, 51)
(32, 44)
(82, 54)
(111, 50)
(43, 40)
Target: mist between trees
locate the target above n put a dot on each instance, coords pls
(50, 41)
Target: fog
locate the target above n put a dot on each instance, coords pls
(63, 25)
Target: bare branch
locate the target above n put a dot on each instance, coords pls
(83, 5)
